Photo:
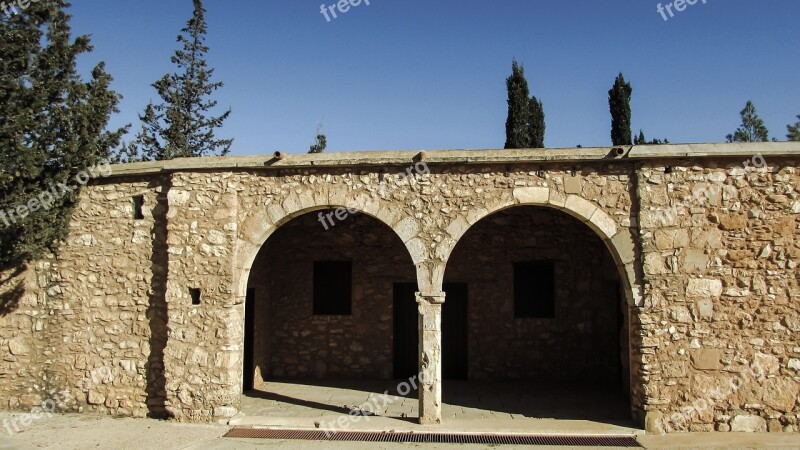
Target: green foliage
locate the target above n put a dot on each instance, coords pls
(182, 125)
(52, 127)
(794, 131)
(536, 125)
(525, 124)
(752, 128)
(641, 140)
(619, 102)
(320, 145)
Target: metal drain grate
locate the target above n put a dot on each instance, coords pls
(435, 438)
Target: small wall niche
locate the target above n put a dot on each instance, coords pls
(195, 294)
(138, 205)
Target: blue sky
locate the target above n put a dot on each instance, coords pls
(416, 74)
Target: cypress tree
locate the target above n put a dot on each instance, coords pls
(525, 125)
(52, 128)
(181, 126)
(536, 126)
(752, 128)
(619, 102)
(517, 122)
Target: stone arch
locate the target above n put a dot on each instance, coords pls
(258, 226)
(617, 239)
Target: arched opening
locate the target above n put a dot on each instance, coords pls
(538, 298)
(320, 317)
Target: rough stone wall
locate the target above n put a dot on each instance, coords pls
(719, 320)
(290, 342)
(720, 327)
(203, 353)
(582, 342)
(80, 335)
(24, 335)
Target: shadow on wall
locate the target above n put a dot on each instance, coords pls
(157, 311)
(9, 299)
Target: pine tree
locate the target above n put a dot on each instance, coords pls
(794, 131)
(525, 124)
(752, 128)
(181, 126)
(52, 128)
(536, 126)
(619, 101)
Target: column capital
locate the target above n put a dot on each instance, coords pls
(431, 298)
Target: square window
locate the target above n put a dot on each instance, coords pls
(333, 283)
(534, 290)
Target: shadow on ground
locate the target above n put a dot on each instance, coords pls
(565, 401)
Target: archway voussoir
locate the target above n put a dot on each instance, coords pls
(475, 215)
(604, 223)
(557, 199)
(458, 227)
(580, 207)
(389, 215)
(417, 250)
(321, 197)
(369, 205)
(532, 195)
(307, 200)
(624, 246)
(629, 271)
(337, 196)
(444, 249)
(256, 228)
(407, 229)
(292, 204)
(276, 213)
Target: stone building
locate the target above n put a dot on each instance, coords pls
(669, 272)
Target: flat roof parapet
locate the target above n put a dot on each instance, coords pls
(489, 156)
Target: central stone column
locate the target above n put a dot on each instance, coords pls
(430, 357)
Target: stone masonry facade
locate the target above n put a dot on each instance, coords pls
(145, 316)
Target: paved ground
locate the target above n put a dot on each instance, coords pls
(462, 400)
(84, 432)
(469, 407)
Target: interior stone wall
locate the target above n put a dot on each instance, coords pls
(587, 339)
(290, 342)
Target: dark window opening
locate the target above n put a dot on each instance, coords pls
(138, 204)
(195, 294)
(333, 284)
(534, 290)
